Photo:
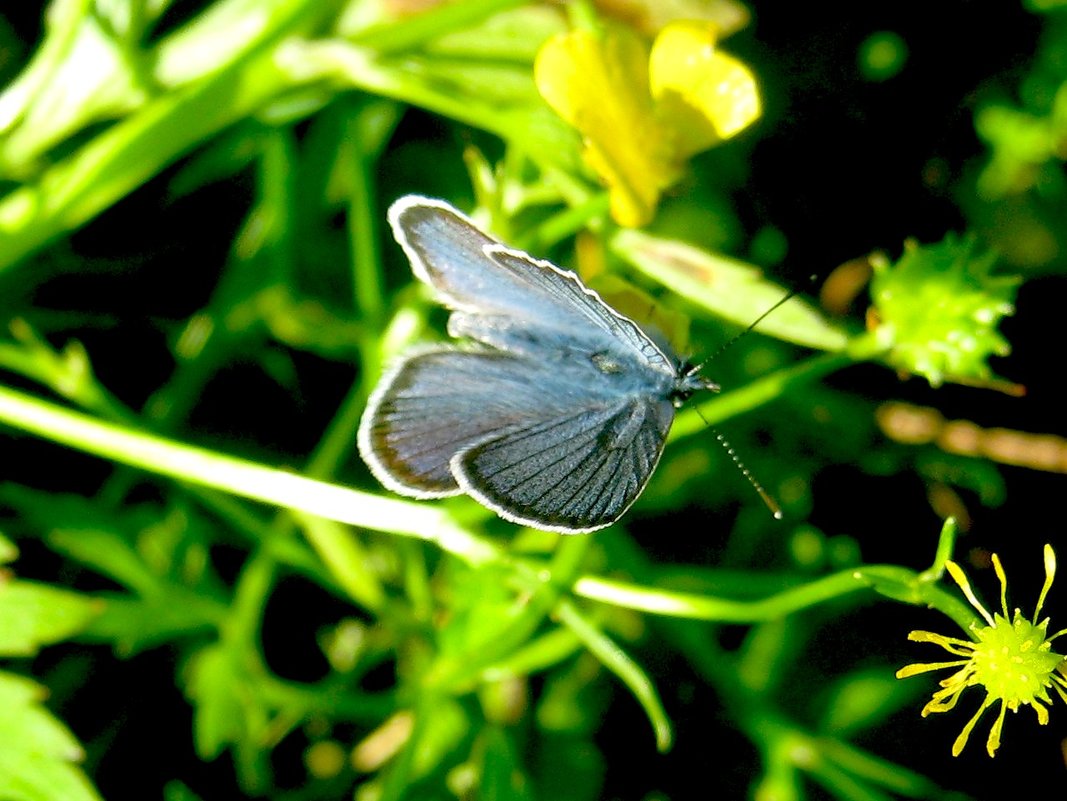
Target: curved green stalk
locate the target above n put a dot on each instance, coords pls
(240, 477)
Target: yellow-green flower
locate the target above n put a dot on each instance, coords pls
(1012, 658)
(643, 113)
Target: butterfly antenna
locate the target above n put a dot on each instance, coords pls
(772, 504)
(792, 293)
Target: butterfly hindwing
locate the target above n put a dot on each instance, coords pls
(575, 472)
(439, 401)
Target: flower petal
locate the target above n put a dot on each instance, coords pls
(599, 84)
(702, 94)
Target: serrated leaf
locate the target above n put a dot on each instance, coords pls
(26, 722)
(214, 690)
(38, 750)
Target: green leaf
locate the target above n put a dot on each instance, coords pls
(629, 672)
(215, 689)
(67, 372)
(32, 615)
(80, 75)
(38, 750)
(81, 529)
(574, 700)
(728, 288)
(481, 607)
(135, 624)
(345, 557)
(106, 552)
(511, 36)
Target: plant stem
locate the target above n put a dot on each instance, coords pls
(240, 477)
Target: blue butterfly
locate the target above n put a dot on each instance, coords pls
(554, 416)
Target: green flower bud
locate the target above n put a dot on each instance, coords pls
(936, 310)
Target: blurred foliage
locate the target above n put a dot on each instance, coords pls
(203, 583)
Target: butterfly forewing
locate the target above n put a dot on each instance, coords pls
(498, 290)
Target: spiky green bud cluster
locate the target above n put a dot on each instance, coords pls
(937, 309)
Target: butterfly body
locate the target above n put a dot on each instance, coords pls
(554, 416)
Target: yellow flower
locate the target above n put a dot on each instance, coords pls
(1011, 657)
(643, 114)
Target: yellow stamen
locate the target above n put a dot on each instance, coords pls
(915, 670)
(961, 741)
(993, 743)
(999, 568)
(1050, 573)
(959, 577)
(952, 644)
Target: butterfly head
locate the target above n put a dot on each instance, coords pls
(689, 382)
